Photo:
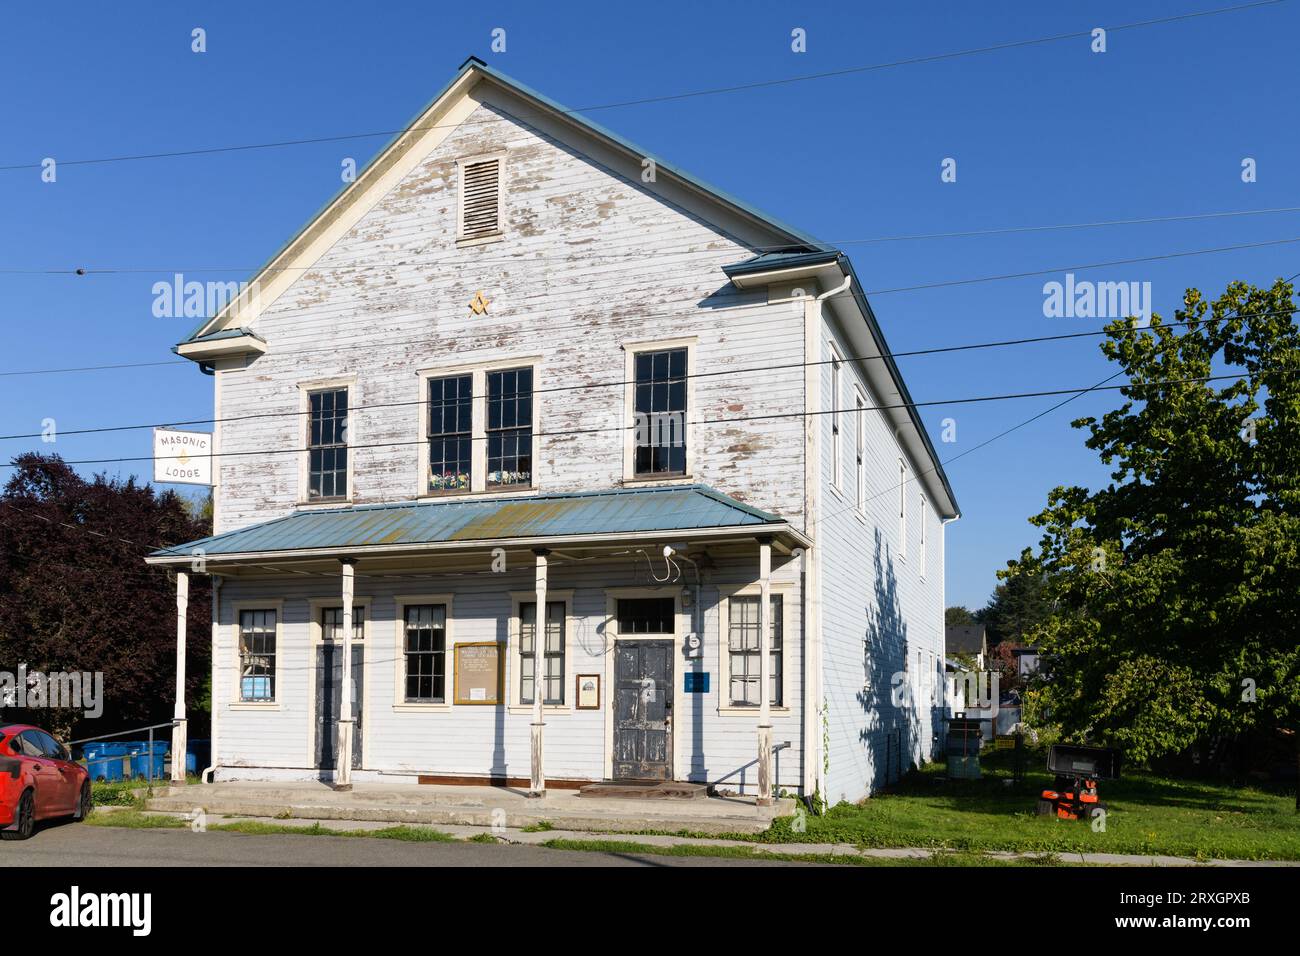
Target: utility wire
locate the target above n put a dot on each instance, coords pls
(622, 383)
(690, 94)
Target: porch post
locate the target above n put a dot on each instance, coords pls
(178, 714)
(537, 777)
(765, 673)
(343, 752)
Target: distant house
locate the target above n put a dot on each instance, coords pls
(967, 640)
(1027, 661)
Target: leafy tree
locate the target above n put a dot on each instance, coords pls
(76, 595)
(957, 617)
(1177, 586)
(1017, 606)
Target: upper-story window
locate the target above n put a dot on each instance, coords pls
(837, 440)
(510, 427)
(480, 199)
(451, 433)
(327, 444)
(479, 427)
(659, 407)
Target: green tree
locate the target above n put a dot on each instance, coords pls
(957, 616)
(1177, 586)
(1017, 606)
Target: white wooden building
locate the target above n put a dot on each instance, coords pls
(518, 363)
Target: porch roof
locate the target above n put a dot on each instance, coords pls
(537, 519)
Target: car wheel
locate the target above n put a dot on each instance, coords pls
(24, 820)
(85, 802)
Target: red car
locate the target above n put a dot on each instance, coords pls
(38, 780)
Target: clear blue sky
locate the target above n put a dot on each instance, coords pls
(1156, 126)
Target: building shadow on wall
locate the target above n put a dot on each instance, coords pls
(891, 725)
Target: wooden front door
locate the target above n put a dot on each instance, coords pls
(329, 702)
(643, 708)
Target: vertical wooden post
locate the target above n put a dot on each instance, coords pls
(537, 778)
(179, 742)
(343, 752)
(765, 674)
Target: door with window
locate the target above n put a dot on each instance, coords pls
(643, 689)
(329, 686)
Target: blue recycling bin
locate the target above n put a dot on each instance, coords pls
(197, 753)
(104, 761)
(140, 758)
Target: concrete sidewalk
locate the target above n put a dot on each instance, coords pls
(499, 807)
(848, 851)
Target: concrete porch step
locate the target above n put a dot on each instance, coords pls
(661, 790)
(473, 806)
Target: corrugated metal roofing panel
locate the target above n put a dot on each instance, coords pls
(421, 522)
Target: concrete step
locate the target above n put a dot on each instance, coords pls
(667, 790)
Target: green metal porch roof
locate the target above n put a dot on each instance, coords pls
(409, 523)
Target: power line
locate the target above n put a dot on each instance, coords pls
(690, 94)
(622, 383)
(633, 255)
(691, 424)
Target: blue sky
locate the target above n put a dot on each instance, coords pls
(1156, 126)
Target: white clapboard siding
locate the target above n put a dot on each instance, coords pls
(492, 741)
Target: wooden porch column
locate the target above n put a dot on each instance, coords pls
(537, 776)
(179, 742)
(765, 674)
(343, 752)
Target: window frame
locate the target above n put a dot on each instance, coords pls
(630, 352)
(235, 694)
(305, 391)
(921, 524)
(860, 451)
(400, 704)
(837, 432)
(478, 373)
(463, 240)
(902, 508)
(513, 665)
(787, 592)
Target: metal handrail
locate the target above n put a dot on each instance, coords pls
(127, 733)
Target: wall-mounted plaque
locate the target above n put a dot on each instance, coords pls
(588, 691)
(478, 673)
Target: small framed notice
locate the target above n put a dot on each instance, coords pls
(478, 673)
(588, 691)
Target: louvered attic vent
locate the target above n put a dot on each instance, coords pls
(480, 202)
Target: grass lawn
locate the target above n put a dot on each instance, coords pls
(1148, 814)
(938, 858)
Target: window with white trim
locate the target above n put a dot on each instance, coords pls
(479, 430)
(425, 651)
(837, 375)
(450, 433)
(902, 509)
(509, 428)
(922, 522)
(480, 198)
(860, 452)
(659, 410)
(744, 651)
(331, 623)
(257, 652)
(552, 652)
(327, 444)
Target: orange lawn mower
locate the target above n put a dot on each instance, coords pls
(1077, 769)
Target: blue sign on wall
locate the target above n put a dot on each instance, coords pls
(697, 682)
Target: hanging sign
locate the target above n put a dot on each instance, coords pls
(182, 458)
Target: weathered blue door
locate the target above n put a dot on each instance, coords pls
(329, 703)
(643, 707)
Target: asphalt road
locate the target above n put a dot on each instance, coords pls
(76, 845)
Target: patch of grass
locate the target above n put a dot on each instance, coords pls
(136, 820)
(407, 834)
(1148, 814)
(541, 826)
(750, 853)
(483, 838)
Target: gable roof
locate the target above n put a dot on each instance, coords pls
(412, 525)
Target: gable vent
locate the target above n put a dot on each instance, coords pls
(480, 199)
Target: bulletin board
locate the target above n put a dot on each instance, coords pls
(477, 673)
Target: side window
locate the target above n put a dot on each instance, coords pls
(510, 427)
(257, 655)
(451, 433)
(425, 651)
(28, 745)
(50, 746)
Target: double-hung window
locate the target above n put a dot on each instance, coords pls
(552, 652)
(451, 433)
(327, 444)
(331, 624)
(860, 453)
(837, 388)
(902, 509)
(510, 427)
(257, 655)
(744, 652)
(659, 408)
(425, 649)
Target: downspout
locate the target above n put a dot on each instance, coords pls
(810, 565)
(213, 697)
